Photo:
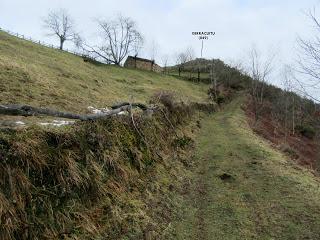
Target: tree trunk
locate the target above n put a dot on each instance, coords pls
(293, 116)
(25, 110)
(286, 119)
(61, 43)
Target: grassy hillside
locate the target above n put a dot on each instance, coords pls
(37, 75)
(131, 177)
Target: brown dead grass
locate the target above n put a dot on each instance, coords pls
(92, 180)
(301, 149)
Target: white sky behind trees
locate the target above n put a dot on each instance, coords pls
(238, 23)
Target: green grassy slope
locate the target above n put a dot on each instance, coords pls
(262, 195)
(33, 74)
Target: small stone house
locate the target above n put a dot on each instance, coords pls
(141, 63)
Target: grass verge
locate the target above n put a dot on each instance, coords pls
(244, 189)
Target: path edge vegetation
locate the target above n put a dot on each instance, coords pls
(222, 202)
(112, 178)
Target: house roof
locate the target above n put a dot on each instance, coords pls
(141, 59)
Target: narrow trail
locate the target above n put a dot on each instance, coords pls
(244, 189)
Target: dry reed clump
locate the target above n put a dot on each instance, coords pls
(66, 183)
(175, 114)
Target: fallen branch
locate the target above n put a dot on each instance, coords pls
(25, 110)
(134, 105)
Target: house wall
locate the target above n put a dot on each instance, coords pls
(157, 68)
(140, 64)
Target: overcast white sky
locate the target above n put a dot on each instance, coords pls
(238, 23)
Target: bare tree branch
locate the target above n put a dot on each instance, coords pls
(120, 37)
(309, 60)
(164, 61)
(259, 70)
(60, 24)
(183, 57)
(25, 110)
(154, 50)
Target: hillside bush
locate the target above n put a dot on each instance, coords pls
(306, 130)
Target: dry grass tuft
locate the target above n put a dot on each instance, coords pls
(75, 183)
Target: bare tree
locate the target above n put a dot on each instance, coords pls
(309, 60)
(137, 46)
(183, 57)
(259, 70)
(154, 50)
(120, 37)
(213, 80)
(289, 100)
(60, 24)
(77, 40)
(190, 53)
(164, 61)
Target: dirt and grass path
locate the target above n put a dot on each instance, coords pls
(243, 189)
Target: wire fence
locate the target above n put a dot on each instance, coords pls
(27, 38)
